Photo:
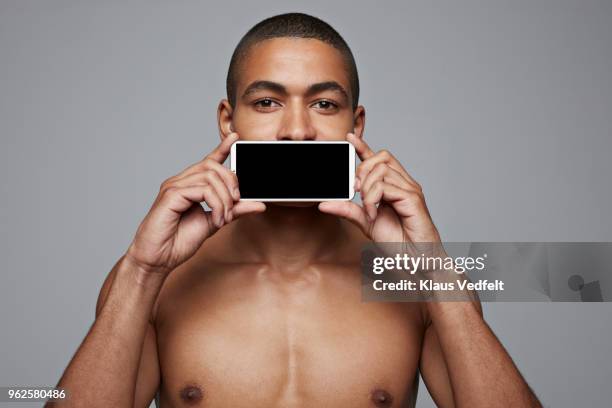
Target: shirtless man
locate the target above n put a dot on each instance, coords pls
(259, 305)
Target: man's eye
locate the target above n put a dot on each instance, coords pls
(265, 103)
(325, 105)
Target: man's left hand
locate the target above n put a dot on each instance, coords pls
(393, 208)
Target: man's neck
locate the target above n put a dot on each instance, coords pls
(288, 237)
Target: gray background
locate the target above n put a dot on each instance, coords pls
(501, 110)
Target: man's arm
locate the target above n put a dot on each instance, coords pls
(464, 365)
(105, 369)
(462, 361)
(148, 379)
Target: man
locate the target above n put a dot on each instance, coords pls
(258, 305)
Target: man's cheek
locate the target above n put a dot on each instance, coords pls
(333, 127)
(334, 130)
(257, 127)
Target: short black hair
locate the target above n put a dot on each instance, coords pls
(295, 25)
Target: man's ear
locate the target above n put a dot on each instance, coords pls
(359, 121)
(224, 118)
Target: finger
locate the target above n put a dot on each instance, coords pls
(180, 199)
(223, 149)
(247, 207)
(379, 191)
(349, 210)
(217, 156)
(384, 156)
(229, 178)
(372, 200)
(386, 173)
(222, 192)
(212, 178)
(361, 147)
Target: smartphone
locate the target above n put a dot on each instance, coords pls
(294, 170)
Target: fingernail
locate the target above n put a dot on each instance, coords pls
(357, 183)
(236, 193)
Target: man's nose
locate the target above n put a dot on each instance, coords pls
(296, 125)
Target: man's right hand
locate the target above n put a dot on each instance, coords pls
(177, 225)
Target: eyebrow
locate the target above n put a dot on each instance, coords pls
(280, 89)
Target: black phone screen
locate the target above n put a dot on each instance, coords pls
(293, 170)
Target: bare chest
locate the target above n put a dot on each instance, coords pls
(261, 338)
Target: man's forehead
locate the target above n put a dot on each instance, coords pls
(296, 63)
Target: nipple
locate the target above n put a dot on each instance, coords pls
(381, 398)
(191, 394)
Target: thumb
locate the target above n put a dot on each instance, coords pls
(348, 210)
(246, 207)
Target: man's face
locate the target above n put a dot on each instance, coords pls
(293, 89)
